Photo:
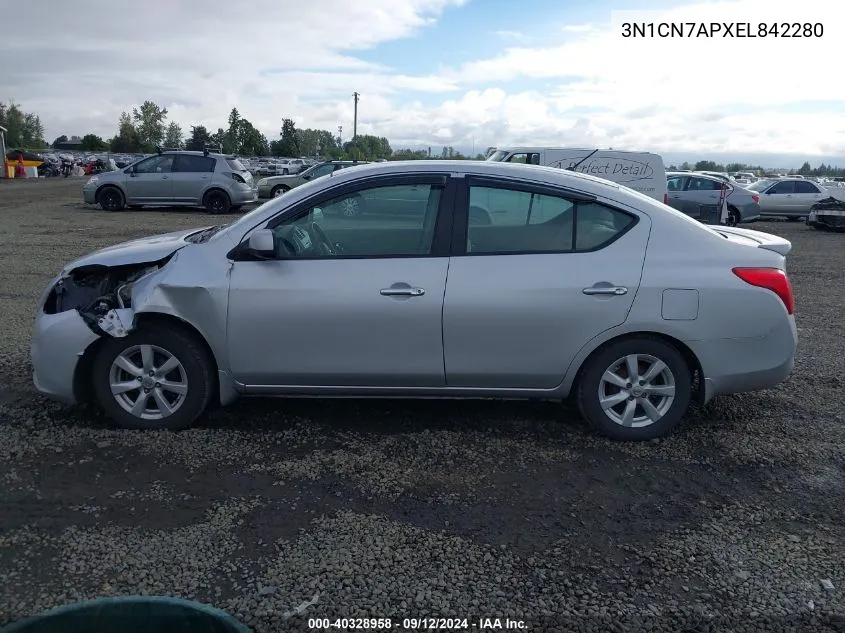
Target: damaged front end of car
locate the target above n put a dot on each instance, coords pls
(101, 295)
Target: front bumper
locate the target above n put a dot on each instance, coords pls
(265, 191)
(89, 194)
(58, 343)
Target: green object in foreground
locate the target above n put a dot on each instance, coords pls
(135, 614)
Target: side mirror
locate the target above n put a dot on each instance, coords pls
(306, 176)
(262, 243)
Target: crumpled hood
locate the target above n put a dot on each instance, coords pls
(145, 249)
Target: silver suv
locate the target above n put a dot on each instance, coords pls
(175, 178)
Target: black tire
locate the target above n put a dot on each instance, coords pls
(279, 190)
(591, 379)
(217, 202)
(734, 218)
(182, 345)
(111, 199)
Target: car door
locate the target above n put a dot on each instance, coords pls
(675, 186)
(806, 195)
(367, 314)
(702, 198)
(778, 198)
(526, 292)
(191, 176)
(150, 181)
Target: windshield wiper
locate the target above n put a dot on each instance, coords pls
(205, 235)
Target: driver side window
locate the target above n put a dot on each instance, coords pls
(156, 165)
(386, 221)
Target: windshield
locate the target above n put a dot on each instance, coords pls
(235, 164)
(498, 156)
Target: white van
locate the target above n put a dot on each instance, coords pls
(640, 171)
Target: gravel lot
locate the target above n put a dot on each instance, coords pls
(414, 509)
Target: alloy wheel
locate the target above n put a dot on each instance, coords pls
(148, 382)
(636, 390)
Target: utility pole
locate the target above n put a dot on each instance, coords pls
(339, 135)
(355, 96)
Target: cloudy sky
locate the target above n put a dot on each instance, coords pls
(465, 73)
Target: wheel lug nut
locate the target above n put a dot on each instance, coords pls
(628, 385)
(158, 384)
(146, 391)
(140, 379)
(630, 397)
(152, 373)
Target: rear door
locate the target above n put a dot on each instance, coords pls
(527, 291)
(806, 194)
(191, 175)
(702, 196)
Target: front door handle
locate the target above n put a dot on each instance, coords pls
(402, 292)
(605, 290)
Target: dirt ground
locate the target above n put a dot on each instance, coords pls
(402, 509)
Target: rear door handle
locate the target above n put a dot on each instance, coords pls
(402, 292)
(605, 290)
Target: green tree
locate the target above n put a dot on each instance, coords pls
(93, 143)
(249, 141)
(287, 145)
(199, 138)
(409, 154)
(149, 122)
(59, 140)
(312, 142)
(127, 139)
(220, 140)
(173, 136)
(24, 129)
(806, 170)
(233, 133)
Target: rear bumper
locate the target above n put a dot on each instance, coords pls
(737, 365)
(245, 195)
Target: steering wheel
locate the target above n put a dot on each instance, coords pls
(325, 243)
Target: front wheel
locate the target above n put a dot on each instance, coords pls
(154, 378)
(216, 202)
(111, 199)
(279, 190)
(635, 389)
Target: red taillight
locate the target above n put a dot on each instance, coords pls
(665, 198)
(772, 279)
(756, 198)
(237, 178)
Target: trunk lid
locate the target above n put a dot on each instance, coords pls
(755, 238)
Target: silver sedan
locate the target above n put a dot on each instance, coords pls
(455, 279)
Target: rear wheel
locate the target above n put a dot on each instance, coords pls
(111, 199)
(733, 217)
(154, 378)
(216, 202)
(279, 190)
(635, 389)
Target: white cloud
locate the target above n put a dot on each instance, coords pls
(80, 64)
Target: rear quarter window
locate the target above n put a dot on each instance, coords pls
(235, 165)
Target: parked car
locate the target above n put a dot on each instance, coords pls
(699, 197)
(788, 197)
(175, 178)
(274, 186)
(580, 289)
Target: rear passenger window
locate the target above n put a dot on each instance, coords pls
(194, 164)
(504, 221)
